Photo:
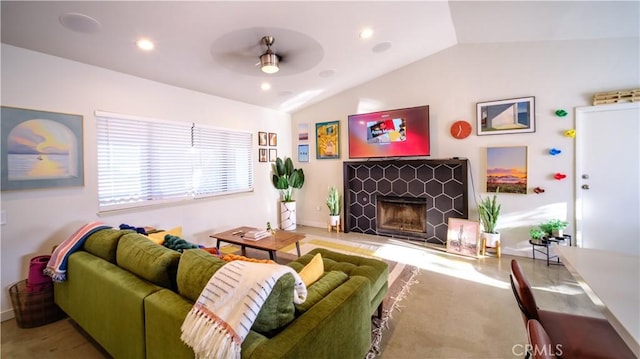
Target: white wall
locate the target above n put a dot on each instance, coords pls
(39, 219)
(561, 75)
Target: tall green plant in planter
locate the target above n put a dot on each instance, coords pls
(489, 210)
(285, 178)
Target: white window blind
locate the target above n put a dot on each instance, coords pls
(144, 161)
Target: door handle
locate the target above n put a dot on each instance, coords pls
(585, 186)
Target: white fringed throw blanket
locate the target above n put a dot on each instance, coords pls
(222, 316)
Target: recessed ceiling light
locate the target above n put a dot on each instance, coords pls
(366, 33)
(265, 86)
(145, 44)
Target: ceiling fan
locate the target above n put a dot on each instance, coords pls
(269, 61)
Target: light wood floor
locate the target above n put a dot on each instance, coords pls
(460, 308)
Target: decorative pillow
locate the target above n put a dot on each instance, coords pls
(158, 237)
(312, 271)
(323, 286)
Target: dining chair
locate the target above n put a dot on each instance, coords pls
(541, 346)
(577, 336)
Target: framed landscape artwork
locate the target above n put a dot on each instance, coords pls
(507, 169)
(463, 237)
(41, 149)
(506, 116)
(328, 140)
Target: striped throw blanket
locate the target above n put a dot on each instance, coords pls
(222, 316)
(57, 266)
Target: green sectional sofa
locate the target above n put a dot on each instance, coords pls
(132, 295)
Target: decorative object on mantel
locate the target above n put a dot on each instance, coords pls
(285, 178)
(561, 113)
(559, 176)
(460, 129)
(333, 203)
(538, 190)
(604, 98)
(554, 152)
(570, 133)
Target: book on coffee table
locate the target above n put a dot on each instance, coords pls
(256, 234)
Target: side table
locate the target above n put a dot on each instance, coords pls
(546, 243)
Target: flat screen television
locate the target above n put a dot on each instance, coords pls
(394, 133)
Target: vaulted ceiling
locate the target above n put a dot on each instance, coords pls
(214, 46)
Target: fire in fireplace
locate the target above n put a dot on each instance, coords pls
(406, 216)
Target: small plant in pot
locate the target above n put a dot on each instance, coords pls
(285, 178)
(554, 227)
(333, 203)
(489, 210)
(537, 233)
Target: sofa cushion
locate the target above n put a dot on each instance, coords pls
(196, 268)
(320, 289)
(104, 243)
(148, 260)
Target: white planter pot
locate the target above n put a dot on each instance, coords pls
(491, 239)
(288, 216)
(334, 220)
(557, 232)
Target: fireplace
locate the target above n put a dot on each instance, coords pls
(418, 197)
(401, 215)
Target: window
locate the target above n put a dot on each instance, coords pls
(143, 161)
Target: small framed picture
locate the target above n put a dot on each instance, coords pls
(273, 139)
(262, 138)
(507, 169)
(273, 154)
(303, 153)
(463, 236)
(303, 132)
(262, 154)
(506, 116)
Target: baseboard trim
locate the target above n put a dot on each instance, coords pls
(7, 314)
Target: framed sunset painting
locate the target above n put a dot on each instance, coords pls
(40, 149)
(507, 169)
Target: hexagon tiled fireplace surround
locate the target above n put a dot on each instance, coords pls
(442, 183)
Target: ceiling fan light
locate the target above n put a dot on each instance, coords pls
(269, 63)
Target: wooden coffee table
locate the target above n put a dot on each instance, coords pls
(270, 244)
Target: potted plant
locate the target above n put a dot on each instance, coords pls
(333, 203)
(536, 233)
(489, 210)
(554, 227)
(285, 178)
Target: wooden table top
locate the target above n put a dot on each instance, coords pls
(274, 242)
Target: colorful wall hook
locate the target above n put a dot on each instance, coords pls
(538, 190)
(560, 176)
(570, 133)
(554, 152)
(561, 113)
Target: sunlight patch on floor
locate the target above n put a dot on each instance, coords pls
(439, 263)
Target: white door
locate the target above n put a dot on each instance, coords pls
(608, 177)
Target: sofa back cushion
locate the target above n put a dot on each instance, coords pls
(321, 288)
(147, 260)
(104, 243)
(198, 266)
